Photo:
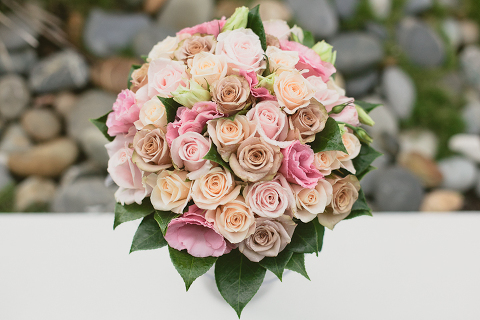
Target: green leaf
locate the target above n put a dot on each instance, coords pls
(255, 23)
(297, 264)
(366, 105)
(144, 58)
(171, 107)
(100, 123)
(163, 218)
(148, 236)
(329, 138)
(360, 207)
(131, 212)
(214, 156)
(277, 264)
(190, 267)
(239, 113)
(132, 68)
(365, 158)
(364, 172)
(308, 39)
(238, 279)
(307, 238)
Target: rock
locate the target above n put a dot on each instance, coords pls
(466, 144)
(380, 8)
(152, 6)
(49, 159)
(33, 193)
(471, 117)
(346, 8)
(181, 14)
(18, 30)
(387, 144)
(442, 201)
(15, 139)
(385, 120)
(18, 62)
(470, 64)
(93, 143)
(419, 141)
(150, 36)
(359, 86)
(14, 96)
(377, 30)
(459, 173)
(357, 52)
(64, 102)
(452, 29)
(418, 6)
(450, 4)
(470, 32)
(81, 170)
(112, 74)
(317, 16)
(88, 194)
(63, 70)
(108, 33)
(74, 27)
(397, 189)
(41, 124)
(422, 167)
(399, 90)
(5, 177)
(272, 9)
(421, 44)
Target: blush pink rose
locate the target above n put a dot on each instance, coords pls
(271, 122)
(125, 113)
(277, 28)
(309, 60)
(348, 115)
(298, 165)
(211, 27)
(193, 232)
(164, 77)
(188, 151)
(328, 93)
(192, 120)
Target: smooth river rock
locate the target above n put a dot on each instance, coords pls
(41, 124)
(14, 96)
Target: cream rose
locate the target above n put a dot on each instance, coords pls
(172, 191)
(206, 68)
(311, 202)
(234, 220)
(152, 113)
(326, 161)
(188, 151)
(151, 150)
(353, 146)
(163, 49)
(139, 77)
(307, 122)
(215, 188)
(230, 94)
(227, 134)
(278, 58)
(256, 160)
(193, 45)
(292, 90)
(165, 76)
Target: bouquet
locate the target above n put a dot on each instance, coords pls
(237, 148)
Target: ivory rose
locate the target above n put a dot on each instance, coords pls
(326, 161)
(152, 113)
(125, 113)
(188, 151)
(271, 123)
(269, 239)
(279, 59)
(270, 199)
(277, 28)
(193, 45)
(151, 150)
(139, 77)
(353, 146)
(215, 188)
(228, 134)
(172, 191)
(211, 27)
(297, 165)
(307, 122)
(163, 49)
(256, 160)
(206, 68)
(345, 193)
(234, 220)
(242, 48)
(311, 202)
(230, 93)
(292, 90)
(193, 232)
(164, 77)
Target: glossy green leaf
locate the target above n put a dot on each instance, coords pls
(238, 279)
(131, 212)
(148, 236)
(307, 238)
(297, 264)
(214, 156)
(101, 124)
(308, 39)
(365, 158)
(190, 267)
(329, 138)
(255, 23)
(364, 172)
(366, 105)
(163, 218)
(132, 68)
(360, 207)
(277, 264)
(171, 107)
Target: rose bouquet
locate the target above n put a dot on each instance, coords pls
(236, 147)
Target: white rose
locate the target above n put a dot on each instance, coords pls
(163, 49)
(206, 68)
(172, 191)
(152, 113)
(278, 58)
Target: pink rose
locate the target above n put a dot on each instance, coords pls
(329, 94)
(125, 113)
(164, 77)
(309, 60)
(270, 199)
(192, 120)
(212, 27)
(271, 123)
(277, 28)
(348, 115)
(260, 92)
(193, 232)
(188, 151)
(298, 165)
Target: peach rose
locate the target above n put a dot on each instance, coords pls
(163, 49)
(279, 59)
(188, 151)
(353, 146)
(172, 191)
(307, 122)
(292, 90)
(326, 161)
(139, 77)
(311, 202)
(206, 68)
(152, 113)
(215, 188)
(193, 45)
(151, 150)
(230, 94)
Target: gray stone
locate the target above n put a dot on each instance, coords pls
(15, 139)
(34, 191)
(376, 29)
(470, 63)
(14, 35)
(458, 173)
(471, 117)
(381, 8)
(107, 33)
(81, 170)
(467, 145)
(357, 52)
(63, 70)
(385, 120)
(14, 96)
(93, 143)
(18, 61)
(317, 16)
(470, 31)
(181, 14)
(418, 6)
(397, 189)
(346, 8)
(359, 86)
(5, 177)
(88, 194)
(421, 44)
(419, 141)
(452, 29)
(41, 124)
(399, 90)
(449, 3)
(150, 36)
(477, 187)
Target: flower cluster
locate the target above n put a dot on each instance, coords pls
(222, 127)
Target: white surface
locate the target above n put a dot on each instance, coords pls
(396, 266)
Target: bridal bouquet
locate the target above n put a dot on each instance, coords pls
(237, 148)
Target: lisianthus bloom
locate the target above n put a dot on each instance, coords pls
(125, 113)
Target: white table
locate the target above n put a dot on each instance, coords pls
(396, 266)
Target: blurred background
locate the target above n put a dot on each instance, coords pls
(63, 62)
